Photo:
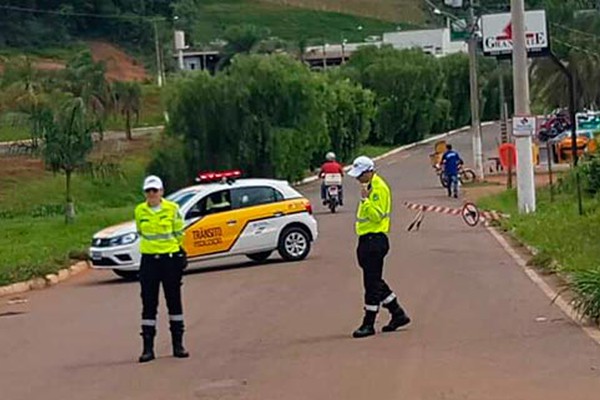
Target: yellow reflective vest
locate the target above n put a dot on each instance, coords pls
(160, 231)
(374, 212)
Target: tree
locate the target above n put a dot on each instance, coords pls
(85, 79)
(275, 117)
(128, 97)
(350, 112)
(456, 73)
(241, 39)
(67, 141)
(408, 88)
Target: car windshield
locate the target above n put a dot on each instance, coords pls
(182, 196)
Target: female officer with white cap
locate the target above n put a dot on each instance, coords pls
(160, 227)
(372, 227)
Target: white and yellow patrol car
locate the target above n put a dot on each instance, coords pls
(231, 217)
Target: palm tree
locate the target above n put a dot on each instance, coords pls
(127, 97)
(67, 141)
(550, 86)
(85, 79)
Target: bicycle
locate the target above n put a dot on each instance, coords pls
(465, 175)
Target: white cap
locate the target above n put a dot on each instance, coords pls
(153, 182)
(361, 165)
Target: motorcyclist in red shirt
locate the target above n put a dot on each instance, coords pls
(331, 166)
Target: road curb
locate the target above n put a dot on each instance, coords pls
(47, 281)
(555, 297)
(314, 178)
(66, 273)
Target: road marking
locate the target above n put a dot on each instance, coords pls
(557, 299)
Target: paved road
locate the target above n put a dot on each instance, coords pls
(282, 331)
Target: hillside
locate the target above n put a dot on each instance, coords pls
(288, 19)
(408, 11)
(119, 65)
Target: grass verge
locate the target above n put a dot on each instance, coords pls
(374, 151)
(567, 242)
(34, 239)
(8, 133)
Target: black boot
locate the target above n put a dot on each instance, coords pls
(148, 333)
(368, 325)
(399, 317)
(177, 340)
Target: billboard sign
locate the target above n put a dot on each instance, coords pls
(498, 35)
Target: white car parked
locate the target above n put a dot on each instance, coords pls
(251, 217)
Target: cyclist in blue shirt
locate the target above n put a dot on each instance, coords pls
(451, 163)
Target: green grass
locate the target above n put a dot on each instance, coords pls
(290, 23)
(58, 53)
(150, 115)
(556, 229)
(10, 133)
(35, 240)
(152, 112)
(34, 247)
(562, 235)
(374, 151)
(387, 10)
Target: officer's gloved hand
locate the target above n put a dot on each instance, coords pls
(183, 256)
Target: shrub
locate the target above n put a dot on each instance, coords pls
(586, 286)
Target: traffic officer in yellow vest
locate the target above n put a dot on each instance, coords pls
(160, 227)
(372, 228)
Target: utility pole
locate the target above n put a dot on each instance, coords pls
(158, 58)
(525, 174)
(474, 88)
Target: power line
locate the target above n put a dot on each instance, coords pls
(577, 31)
(80, 14)
(577, 48)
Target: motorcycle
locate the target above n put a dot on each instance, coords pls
(333, 185)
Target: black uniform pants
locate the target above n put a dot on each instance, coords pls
(168, 270)
(371, 251)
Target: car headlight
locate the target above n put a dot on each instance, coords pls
(124, 239)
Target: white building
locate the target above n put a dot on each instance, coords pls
(433, 41)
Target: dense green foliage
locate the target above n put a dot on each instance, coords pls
(408, 87)
(23, 29)
(272, 117)
(130, 22)
(268, 115)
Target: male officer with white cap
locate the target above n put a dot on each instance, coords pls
(372, 228)
(160, 227)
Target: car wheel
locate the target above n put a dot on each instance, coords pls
(127, 275)
(259, 257)
(294, 244)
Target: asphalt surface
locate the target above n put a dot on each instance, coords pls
(482, 330)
